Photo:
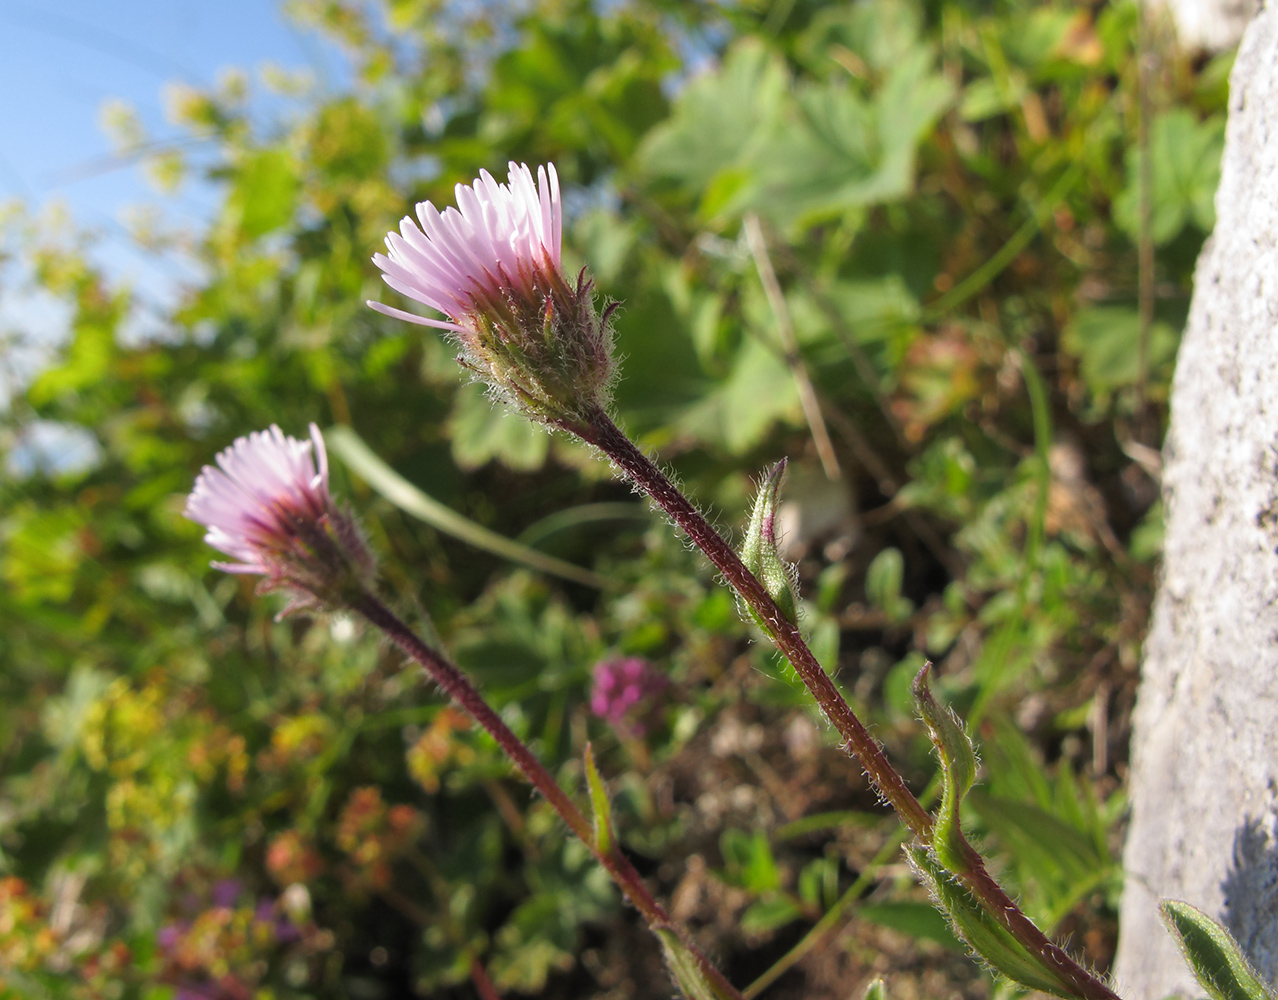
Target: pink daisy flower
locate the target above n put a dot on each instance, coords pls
(267, 505)
(492, 267)
(501, 238)
(266, 483)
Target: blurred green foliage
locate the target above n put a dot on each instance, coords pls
(198, 800)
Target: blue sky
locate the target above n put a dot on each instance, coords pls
(62, 61)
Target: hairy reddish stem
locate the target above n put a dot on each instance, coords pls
(460, 689)
(598, 429)
(483, 984)
(605, 435)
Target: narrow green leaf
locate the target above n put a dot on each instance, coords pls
(1053, 850)
(820, 822)
(958, 770)
(361, 460)
(1218, 963)
(600, 807)
(916, 919)
(760, 552)
(987, 938)
(686, 970)
(586, 513)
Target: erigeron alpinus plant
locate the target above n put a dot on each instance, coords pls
(492, 267)
(268, 505)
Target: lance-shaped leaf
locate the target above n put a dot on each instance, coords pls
(1217, 961)
(877, 990)
(600, 807)
(686, 970)
(958, 771)
(760, 551)
(986, 937)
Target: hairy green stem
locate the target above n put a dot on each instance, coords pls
(830, 921)
(459, 688)
(598, 429)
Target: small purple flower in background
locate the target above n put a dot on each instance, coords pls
(625, 693)
(492, 267)
(227, 892)
(169, 935)
(268, 505)
(269, 914)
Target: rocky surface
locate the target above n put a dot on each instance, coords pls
(1205, 756)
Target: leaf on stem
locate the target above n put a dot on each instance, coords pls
(1218, 963)
(958, 771)
(686, 970)
(877, 990)
(600, 808)
(986, 937)
(760, 551)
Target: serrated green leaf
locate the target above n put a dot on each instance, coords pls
(760, 552)
(481, 432)
(1218, 963)
(720, 118)
(686, 970)
(837, 151)
(958, 770)
(600, 807)
(881, 34)
(742, 408)
(1106, 341)
(1186, 156)
(987, 938)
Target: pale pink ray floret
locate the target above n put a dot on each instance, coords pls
(265, 485)
(497, 241)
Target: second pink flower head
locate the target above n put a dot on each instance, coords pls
(267, 505)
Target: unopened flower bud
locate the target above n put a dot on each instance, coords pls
(268, 505)
(492, 267)
(761, 551)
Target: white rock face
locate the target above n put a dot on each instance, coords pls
(1205, 754)
(1208, 25)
